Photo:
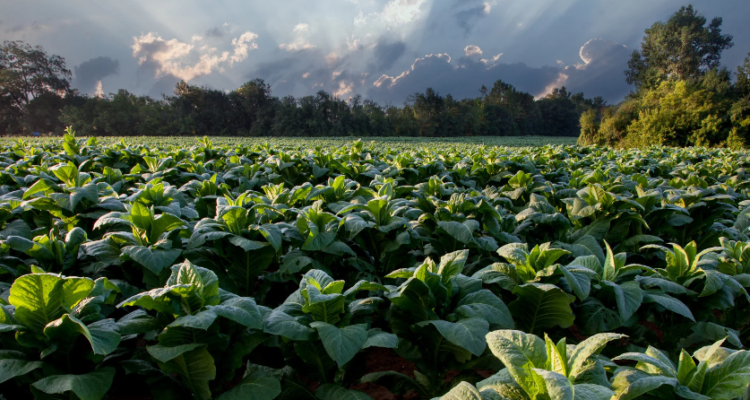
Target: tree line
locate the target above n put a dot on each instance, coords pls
(683, 96)
(36, 96)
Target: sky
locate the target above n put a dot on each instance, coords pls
(383, 50)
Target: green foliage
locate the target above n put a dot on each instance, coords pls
(420, 271)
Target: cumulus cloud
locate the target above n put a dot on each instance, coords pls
(600, 73)
(99, 90)
(395, 13)
(344, 89)
(90, 73)
(301, 41)
(242, 45)
(184, 60)
(472, 50)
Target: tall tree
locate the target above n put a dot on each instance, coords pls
(682, 48)
(26, 74)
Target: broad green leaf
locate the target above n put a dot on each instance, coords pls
(729, 379)
(628, 296)
(558, 386)
(585, 391)
(501, 386)
(578, 280)
(588, 348)
(153, 259)
(452, 264)
(75, 290)
(38, 299)
(242, 310)
(713, 332)
(542, 306)
(462, 391)
(520, 353)
(324, 307)
(487, 305)
(91, 386)
(330, 391)
(663, 368)
(137, 322)
(201, 320)
(414, 297)
(458, 231)
(378, 338)
(196, 368)
(670, 303)
(103, 335)
(631, 384)
(257, 386)
(30, 247)
(685, 367)
(282, 324)
(467, 333)
(341, 344)
(164, 353)
(10, 368)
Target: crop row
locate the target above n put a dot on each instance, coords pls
(238, 272)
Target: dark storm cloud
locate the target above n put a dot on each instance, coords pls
(468, 17)
(93, 70)
(32, 27)
(305, 72)
(601, 73)
(386, 54)
(215, 32)
(15, 29)
(276, 70)
(461, 78)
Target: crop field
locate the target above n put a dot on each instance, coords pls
(163, 268)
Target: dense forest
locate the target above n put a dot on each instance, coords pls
(683, 96)
(37, 97)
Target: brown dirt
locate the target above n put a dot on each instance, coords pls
(379, 359)
(654, 328)
(485, 373)
(377, 392)
(577, 333)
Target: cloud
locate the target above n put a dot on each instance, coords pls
(395, 13)
(301, 41)
(472, 50)
(343, 89)
(386, 54)
(215, 32)
(601, 73)
(88, 73)
(242, 45)
(99, 91)
(35, 26)
(461, 78)
(185, 61)
(467, 18)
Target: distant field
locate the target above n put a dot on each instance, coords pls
(392, 142)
